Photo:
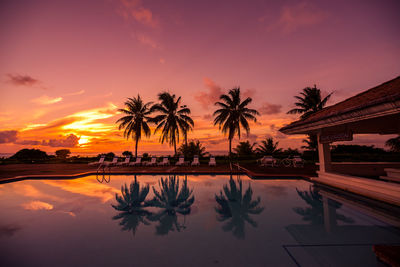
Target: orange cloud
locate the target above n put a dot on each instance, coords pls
(46, 100)
(134, 9)
(37, 205)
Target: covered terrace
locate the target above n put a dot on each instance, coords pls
(374, 111)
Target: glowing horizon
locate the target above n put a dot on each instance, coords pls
(68, 66)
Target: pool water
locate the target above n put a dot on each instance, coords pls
(187, 220)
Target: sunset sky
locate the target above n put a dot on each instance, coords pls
(67, 66)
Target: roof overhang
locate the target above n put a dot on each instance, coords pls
(371, 114)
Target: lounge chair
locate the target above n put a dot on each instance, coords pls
(196, 161)
(164, 162)
(298, 162)
(124, 163)
(212, 161)
(98, 163)
(110, 163)
(152, 162)
(268, 161)
(181, 161)
(137, 162)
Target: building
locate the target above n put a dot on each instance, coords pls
(374, 111)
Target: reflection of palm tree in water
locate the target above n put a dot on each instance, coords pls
(172, 200)
(131, 204)
(236, 207)
(315, 213)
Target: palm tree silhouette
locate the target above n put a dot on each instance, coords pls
(233, 114)
(235, 208)
(309, 102)
(172, 119)
(172, 199)
(131, 204)
(315, 213)
(268, 147)
(135, 122)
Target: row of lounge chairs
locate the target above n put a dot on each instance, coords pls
(152, 162)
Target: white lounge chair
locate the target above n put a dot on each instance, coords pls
(152, 162)
(124, 163)
(137, 162)
(164, 162)
(267, 161)
(298, 162)
(196, 161)
(181, 161)
(212, 161)
(110, 163)
(98, 163)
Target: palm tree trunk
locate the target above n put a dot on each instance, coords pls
(136, 145)
(175, 146)
(230, 148)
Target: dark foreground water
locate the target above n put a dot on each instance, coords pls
(223, 222)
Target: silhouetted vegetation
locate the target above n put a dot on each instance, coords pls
(235, 207)
(135, 120)
(393, 144)
(127, 154)
(172, 119)
(63, 153)
(244, 149)
(268, 147)
(193, 148)
(233, 114)
(30, 156)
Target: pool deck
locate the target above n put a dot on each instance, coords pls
(14, 172)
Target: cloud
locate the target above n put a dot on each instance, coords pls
(134, 9)
(37, 205)
(207, 117)
(162, 60)
(8, 136)
(22, 80)
(76, 93)
(248, 93)
(297, 16)
(68, 141)
(269, 109)
(146, 40)
(209, 98)
(46, 100)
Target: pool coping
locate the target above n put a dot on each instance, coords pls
(252, 175)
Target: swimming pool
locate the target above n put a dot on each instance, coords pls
(225, 221)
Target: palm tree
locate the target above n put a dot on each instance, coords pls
(131, 206)
(193, 148)
(135, 122)
(312, 143)
(394, 144)
(309, 102)
(233, 114)
(268, 147)
(172, 120)
(171, 199)
(236, 207)
(244, 149)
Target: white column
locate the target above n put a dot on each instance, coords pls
(324, 155)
